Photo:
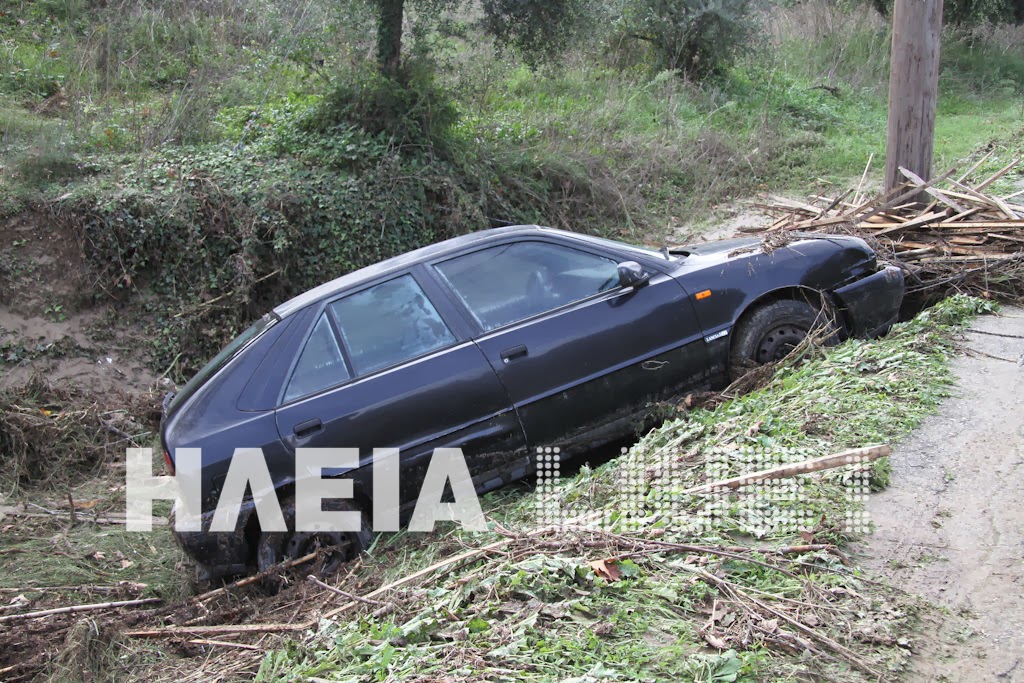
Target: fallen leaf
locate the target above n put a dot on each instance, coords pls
(126, 563)
(86, 504)
(606, 569)
(808, 536)
(715, 642)
(96, 555)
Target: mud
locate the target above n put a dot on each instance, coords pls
(950, 527)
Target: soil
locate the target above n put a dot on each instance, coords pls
(950, 527)
(56, 321)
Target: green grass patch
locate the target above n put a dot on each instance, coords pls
(539, 611)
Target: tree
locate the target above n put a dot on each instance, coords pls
(538, 29)
(390, 15)
(913, 89)
(700, 38)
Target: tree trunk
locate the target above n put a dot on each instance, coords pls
(389, 36)
(913, 89)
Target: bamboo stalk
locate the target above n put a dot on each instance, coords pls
(71, 609)
(851, 456)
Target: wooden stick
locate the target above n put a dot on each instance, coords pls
(916, 222)
(938, 194)
(173, 631)
(863, 177)
(974, 168)
(79, 608)
(249, 580)
(998, 174)
(825, 462)
(223, 643)
(345, 594)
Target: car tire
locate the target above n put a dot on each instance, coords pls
(770, 332)
(275, 547)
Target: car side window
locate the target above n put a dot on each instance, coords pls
(320, 365)
(388, 324)
(504, 284)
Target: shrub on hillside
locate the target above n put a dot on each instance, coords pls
(700, 38)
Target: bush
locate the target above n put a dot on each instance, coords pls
(700, 38)
(414, 112)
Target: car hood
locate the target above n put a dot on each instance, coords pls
(723, 250)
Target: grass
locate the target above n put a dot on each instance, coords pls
(807, 108)
(539, 611)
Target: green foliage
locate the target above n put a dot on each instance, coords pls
(700, 38)
(983, 59)
(967, 12)
(247, 232)
(414, 111)
(539, 30)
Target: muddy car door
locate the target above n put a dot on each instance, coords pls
(383, 367)
(580, 354)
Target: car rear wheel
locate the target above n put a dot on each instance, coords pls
(340, 546)
(770, 332)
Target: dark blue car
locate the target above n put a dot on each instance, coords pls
(500, 342)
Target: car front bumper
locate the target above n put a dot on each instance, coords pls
(872, 304)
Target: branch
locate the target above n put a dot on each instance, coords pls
(826, 462)
(79, 608)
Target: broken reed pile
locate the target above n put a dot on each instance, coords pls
(946, 234)
(52, 433)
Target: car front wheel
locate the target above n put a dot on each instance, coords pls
(770, 332)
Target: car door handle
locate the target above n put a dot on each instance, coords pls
(308, 428)
(509, 355)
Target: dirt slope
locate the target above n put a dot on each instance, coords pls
(951, 526)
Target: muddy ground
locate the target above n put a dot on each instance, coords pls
(950, 527)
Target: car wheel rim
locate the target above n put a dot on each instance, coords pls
(778, 342)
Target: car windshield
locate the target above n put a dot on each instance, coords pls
(646, 251)
(221, 359)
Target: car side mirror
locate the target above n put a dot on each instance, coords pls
(632, 274)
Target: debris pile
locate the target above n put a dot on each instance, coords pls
(946, 234)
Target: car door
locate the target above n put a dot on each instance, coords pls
(383, 368)
(579, 355)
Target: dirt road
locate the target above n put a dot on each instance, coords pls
(951, 525)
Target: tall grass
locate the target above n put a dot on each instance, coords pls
(808, 105)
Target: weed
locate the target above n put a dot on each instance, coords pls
(542, 612)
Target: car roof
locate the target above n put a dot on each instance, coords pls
(402, 261)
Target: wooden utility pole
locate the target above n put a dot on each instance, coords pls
(913, 88)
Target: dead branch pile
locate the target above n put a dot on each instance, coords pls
(958, 239)
(50, 433)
